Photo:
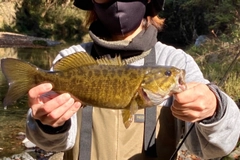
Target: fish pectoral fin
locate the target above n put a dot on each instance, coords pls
(127, 117)
(127, 114)
(133, 107)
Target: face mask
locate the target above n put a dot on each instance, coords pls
(121, 17)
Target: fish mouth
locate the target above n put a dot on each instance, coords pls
(181, 84)
(151, 98)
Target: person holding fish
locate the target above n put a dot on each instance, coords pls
(139, 115)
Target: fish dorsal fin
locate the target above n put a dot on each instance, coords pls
(107, 60)
(73, 61)
(82, 58)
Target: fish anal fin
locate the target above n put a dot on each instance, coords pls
(127, 114)
(74, 60)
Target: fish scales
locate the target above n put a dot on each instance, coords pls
(105, 86)
(105, 83)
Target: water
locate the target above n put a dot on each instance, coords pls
(13, 119)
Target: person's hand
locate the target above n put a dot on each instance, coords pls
(194, 104)
(50, 108)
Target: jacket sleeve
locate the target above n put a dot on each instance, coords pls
(55, 139)
(217, 136)
(61, 138)
(214, 137)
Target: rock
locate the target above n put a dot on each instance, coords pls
(28, 144)
(57, 156)
(201, 40)
(21, 156)
(21, 134)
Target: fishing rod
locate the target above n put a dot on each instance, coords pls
(181, 143)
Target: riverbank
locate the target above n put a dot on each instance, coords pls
(9, 39)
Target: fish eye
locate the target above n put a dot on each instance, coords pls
(168, 73)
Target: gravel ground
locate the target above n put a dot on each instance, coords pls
(183, 155)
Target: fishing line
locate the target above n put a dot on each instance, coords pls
(181, 143)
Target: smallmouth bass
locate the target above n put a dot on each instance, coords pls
(105, 82)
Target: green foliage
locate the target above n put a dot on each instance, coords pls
(220, 21)
(219, 62)
(50, 18)
(232, 85)
(221, 14)
(187, 19)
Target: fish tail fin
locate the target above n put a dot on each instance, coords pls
(20, 78)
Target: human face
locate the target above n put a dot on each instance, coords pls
(119, 17)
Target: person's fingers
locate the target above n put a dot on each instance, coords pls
(46, 108)
(187, 95)
(39, 90)
(49, 95)
(36, 92)
(58, 112)
(52, 119)
(67, 115)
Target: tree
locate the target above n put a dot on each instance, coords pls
(47, 18)
(187, 19)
